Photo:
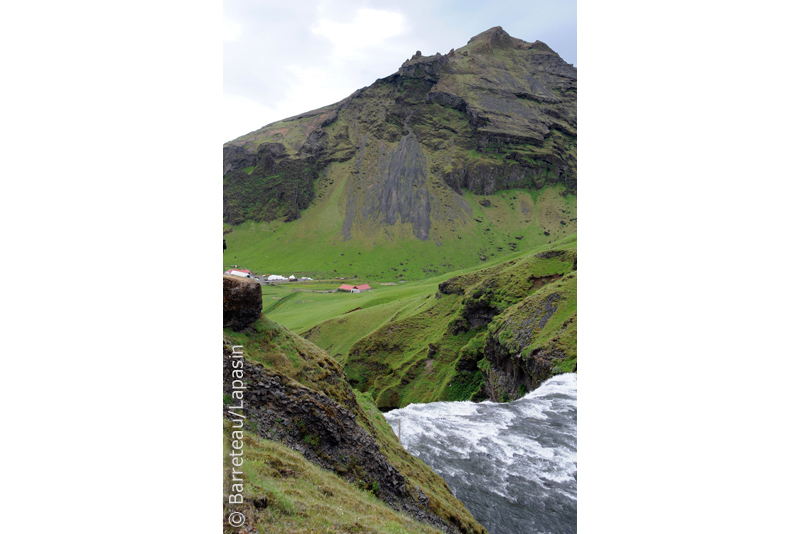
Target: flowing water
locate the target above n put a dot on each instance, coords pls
(513, 465)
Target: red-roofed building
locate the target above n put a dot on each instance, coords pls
(354, 289)
(239, 272)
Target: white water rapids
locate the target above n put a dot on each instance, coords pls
(514, 465)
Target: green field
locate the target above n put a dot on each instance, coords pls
(309, 309)
(313, 246)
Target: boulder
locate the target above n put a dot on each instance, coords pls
(241, 301)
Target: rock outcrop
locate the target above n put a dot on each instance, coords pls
(241, 301)
(531, 341)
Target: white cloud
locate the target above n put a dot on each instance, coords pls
(368, 30)
(310, 88)
(242, 115)
(231, 30)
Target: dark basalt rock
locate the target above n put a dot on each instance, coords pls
(508, 372)
(511, 368)
(451, 287)
(478, 312)
(241, 301)
(447, 100)
(235, 158)
(400, 192)
(277, 187)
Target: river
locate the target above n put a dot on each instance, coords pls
(513, 465)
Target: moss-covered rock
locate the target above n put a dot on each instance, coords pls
(532, 340)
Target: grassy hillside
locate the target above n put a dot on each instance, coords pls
(312, 245)
(297, 361)
(287, 494)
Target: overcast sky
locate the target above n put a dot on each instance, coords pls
(283, 57)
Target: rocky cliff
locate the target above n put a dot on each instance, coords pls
(532, 340)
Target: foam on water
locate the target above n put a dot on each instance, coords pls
(514, 465)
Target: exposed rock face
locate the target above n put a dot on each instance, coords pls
(399, 191)
(498, 113)
(509, 369)
(325, 433)
(235, 158)
(526, 340)
(241, 301)
(451, 287)
(277, 187)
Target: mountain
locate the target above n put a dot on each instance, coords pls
(438, 166)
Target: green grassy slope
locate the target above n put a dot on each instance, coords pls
(297, 359)
(285, 493)
(313, 246)
(559, 333)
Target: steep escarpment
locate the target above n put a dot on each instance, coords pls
(275, 187)
(532, 340)
(285, 394)
(496, 114)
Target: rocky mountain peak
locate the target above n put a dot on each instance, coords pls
(496, 35)
(495, 38)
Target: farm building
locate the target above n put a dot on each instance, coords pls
(349, 289)
(354, 289)
(239, 272)
(276, 278)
